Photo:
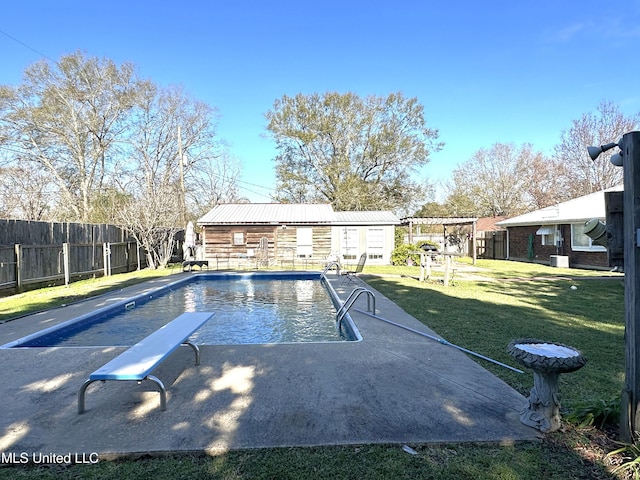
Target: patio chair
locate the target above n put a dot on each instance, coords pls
(262, 254)
(351, 275)
(288, 255)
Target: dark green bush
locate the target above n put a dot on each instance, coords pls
(401, 253)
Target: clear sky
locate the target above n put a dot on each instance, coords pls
(485, 72)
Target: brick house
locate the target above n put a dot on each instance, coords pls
(554, 235)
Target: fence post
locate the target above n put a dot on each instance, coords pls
(474, 234)
(107, 259)
(18, 250)
(447, 270)
(66, 263)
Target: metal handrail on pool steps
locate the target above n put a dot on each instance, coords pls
(328, 267)
(348, 303)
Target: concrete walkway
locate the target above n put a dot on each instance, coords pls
(394, 386)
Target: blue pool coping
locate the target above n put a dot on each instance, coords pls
(142, 298)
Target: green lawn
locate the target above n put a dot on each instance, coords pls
(35, 300)
(485, 316)
(517, 300)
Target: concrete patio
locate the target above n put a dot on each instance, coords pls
(394, 386)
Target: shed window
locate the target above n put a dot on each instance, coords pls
(238, 238)
(350, 243)
(375, 243)
(304, 242)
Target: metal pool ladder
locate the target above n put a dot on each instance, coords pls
(323, 275)
(351, 299)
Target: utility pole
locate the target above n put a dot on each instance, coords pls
(183, 202)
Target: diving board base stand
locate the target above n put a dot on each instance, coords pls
(188, 265)
(137, 363)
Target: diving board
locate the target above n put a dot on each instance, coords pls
(140, 360)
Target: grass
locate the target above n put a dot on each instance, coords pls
(383, 462)
(35, 300)
(486, 316)
(517, 300)
(509, 270)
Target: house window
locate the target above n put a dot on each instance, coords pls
(548, 234)
(375, 243)
(304, 242)
(238, 238)
(350, 242)
(581, 242)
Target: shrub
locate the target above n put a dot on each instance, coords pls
(401, 253)
(599, 413)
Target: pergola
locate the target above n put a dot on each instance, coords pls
(444, 221)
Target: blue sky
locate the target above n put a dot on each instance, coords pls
(485, 72)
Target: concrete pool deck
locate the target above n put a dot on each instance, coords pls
(394, 386)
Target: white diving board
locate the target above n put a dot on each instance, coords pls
(140, 360)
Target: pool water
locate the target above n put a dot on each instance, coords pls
(250, 309)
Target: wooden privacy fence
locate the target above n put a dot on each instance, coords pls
(492, 245)
(22, 265)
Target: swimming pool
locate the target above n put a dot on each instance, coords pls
(251, 308)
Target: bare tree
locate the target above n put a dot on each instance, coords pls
(546, 182)
(153, 221)
(214, 182)
(494, 181)
(25, 193)
(155, 177)
(67, 119)
(582, 175)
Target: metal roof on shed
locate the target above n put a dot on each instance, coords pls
(268, 213)
(292, 213)
(375, 217)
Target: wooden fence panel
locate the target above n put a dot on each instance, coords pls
(22, 265)
(124, 257)
(491, 245)
(7, 266)
(27, 232)
(43, 252)
(40, 263)
(86, 258)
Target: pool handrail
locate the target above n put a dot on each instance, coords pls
(353, 296)
(328, 267)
